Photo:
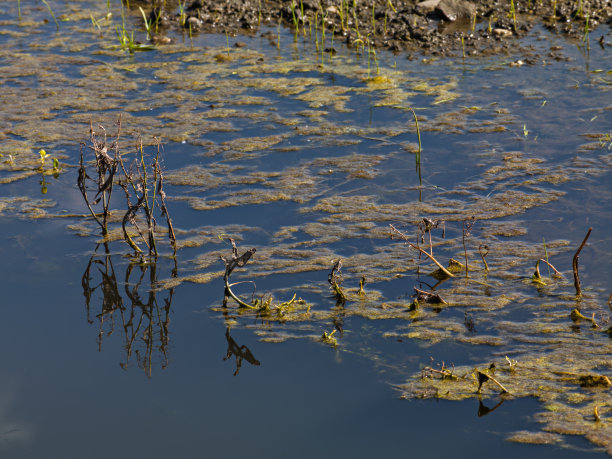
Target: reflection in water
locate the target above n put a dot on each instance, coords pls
(484, 410)
(240, 352)
(143, 321)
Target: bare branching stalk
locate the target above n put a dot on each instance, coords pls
(483, 250)
(575, 264)
(557, 273)
(335, 280)
(141, 182)
(467, 227)
(106, 167)
(235, 262)
(484, 377)
(424, 252)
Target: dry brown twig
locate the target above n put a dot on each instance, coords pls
(575, 264)
(414, 246)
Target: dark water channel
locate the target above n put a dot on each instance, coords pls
(309, 159)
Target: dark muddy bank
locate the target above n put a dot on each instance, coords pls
(437, 27)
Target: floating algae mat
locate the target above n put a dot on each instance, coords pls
(314, 159)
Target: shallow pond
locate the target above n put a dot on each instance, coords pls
(308, 157)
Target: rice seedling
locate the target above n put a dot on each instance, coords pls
(373, 17)
(295, 20)
(52, 13)
(462, 48)
(512, 14)
(579, 12)
(585, 38)
(182, 14)
(323, 18)
(148, 24)
(418, 131)
(355, 19)
(126, 39)
(372, 51)
(343, 13)
(258, 13)
(19, 9)
(331, 47)
(94, 22)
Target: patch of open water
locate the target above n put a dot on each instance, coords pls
(308, 163)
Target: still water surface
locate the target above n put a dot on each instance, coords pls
(329, 170)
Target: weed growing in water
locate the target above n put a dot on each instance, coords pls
(335, 280)
(256, 304)
(483, 250)
(50, 11)
(144, 180)
(182, 15)
(585, 38)
(512, 14)
(126, 39)
(148, 24)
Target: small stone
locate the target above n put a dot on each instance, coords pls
(502, 32)
(194, 23)
(451, 10)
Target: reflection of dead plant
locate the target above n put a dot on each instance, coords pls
(240, 352)
(143, 320)
(483, 410)
(144, 180)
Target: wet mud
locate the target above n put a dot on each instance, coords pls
(436, 27)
